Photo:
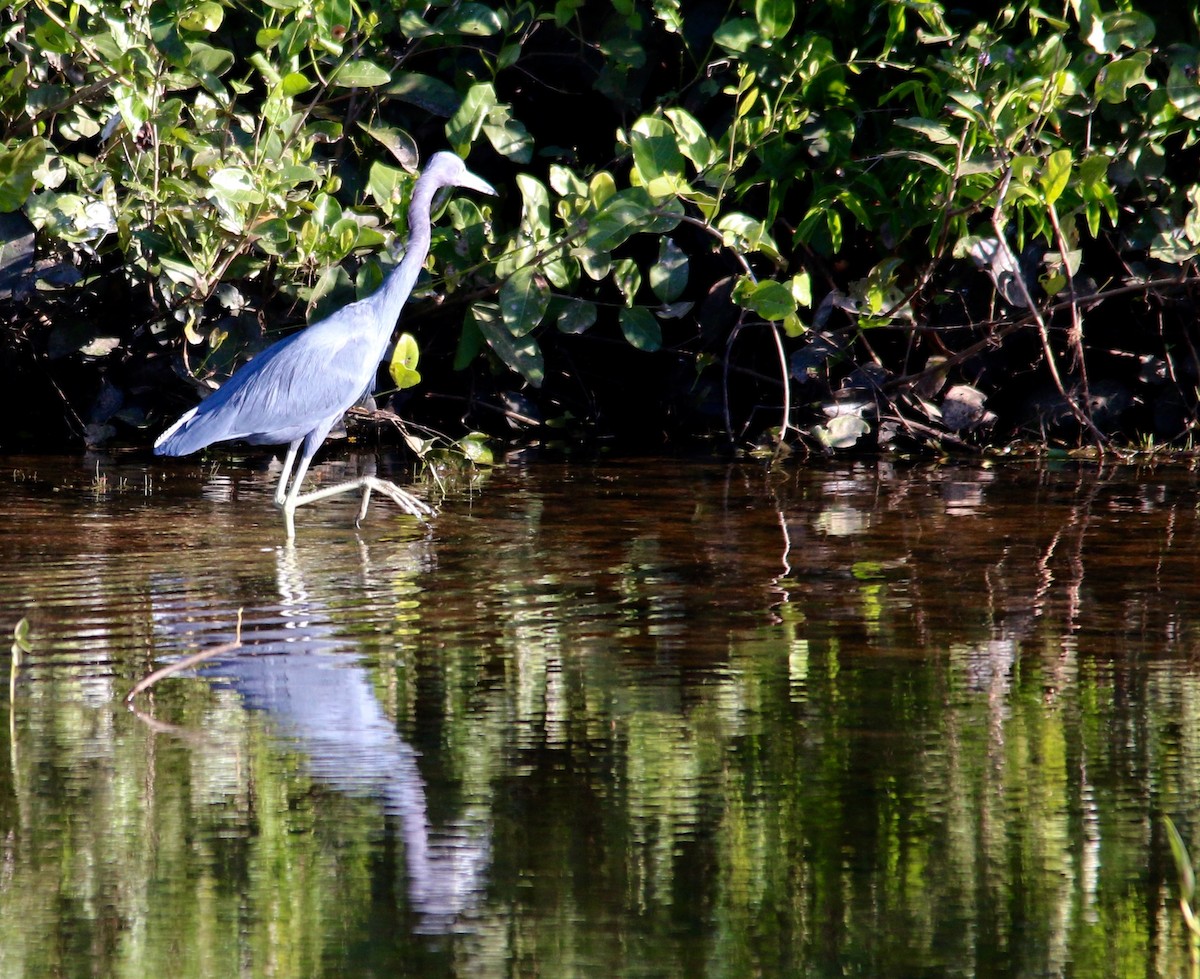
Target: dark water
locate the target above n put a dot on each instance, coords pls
(643, 718)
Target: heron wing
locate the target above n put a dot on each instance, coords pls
(290, 389)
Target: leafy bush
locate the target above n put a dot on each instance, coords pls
(826, 220)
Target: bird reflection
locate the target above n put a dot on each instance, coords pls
(320, 701)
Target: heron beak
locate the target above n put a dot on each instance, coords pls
(473, 182)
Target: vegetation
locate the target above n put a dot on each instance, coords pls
(844, 223)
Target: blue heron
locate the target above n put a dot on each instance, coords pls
(294, 391)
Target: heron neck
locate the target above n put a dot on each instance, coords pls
(400, 281)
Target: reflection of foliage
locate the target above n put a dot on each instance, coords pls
(948, 753)
(680, 179)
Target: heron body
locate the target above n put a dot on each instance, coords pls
(296, 390)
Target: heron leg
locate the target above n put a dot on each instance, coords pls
(362, 510)
(288, 461)
(366, 484)
(293, 498)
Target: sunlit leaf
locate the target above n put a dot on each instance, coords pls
(385, 183)
(802, 288)
(206, 16)
(294, 83)
(475, 446)
(774, 17)
(934, 131)
(770, 299)
(744, 233)
(236, 185)
(403, 365)
(737, 35)
(1120, 29)
(23, 637)
(360, 74)
(842, 431)
(627, 213)
(508, 135)
(656, 151)
(1183, 89)
(694, 141)
(1117, 77)
(1055, 175)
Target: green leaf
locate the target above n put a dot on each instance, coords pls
(470, 343)
(470, 18)
(534, 229)
(474, 446)
(842, 431)
(295, 83)
(628, 278)
(236, 186)
(1055, 175)
(1093, 170)
(1116, 78)
(694, 141)
(669, 275)
(360, 74)
(430, 94)
(743, 233)
(932, 130)
(16, 172)
(738, 35)
(403, 366)
(523, 301)
(770, 299)
(397, 142)
(464, 126)
(522, 354)
(641, 329)
(627, 213)
(774, 17)
(656, 152)
(1120, 29)
(206, 16)
(576, 316)
(508, 136)
(1183, 90)
(22, 637)
(385, 184)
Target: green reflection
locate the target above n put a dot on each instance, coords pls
(939, 746)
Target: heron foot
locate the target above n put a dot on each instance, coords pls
(407, 502)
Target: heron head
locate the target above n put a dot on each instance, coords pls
(446, 169)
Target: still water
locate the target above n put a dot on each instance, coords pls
(622, 719)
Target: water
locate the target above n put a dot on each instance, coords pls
(628, 718)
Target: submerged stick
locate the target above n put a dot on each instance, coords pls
(188, 661)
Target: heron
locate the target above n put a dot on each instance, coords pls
(293, 392)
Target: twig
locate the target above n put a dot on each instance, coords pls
(187, 662)
(1082, 416)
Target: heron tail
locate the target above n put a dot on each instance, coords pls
(184, 437)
